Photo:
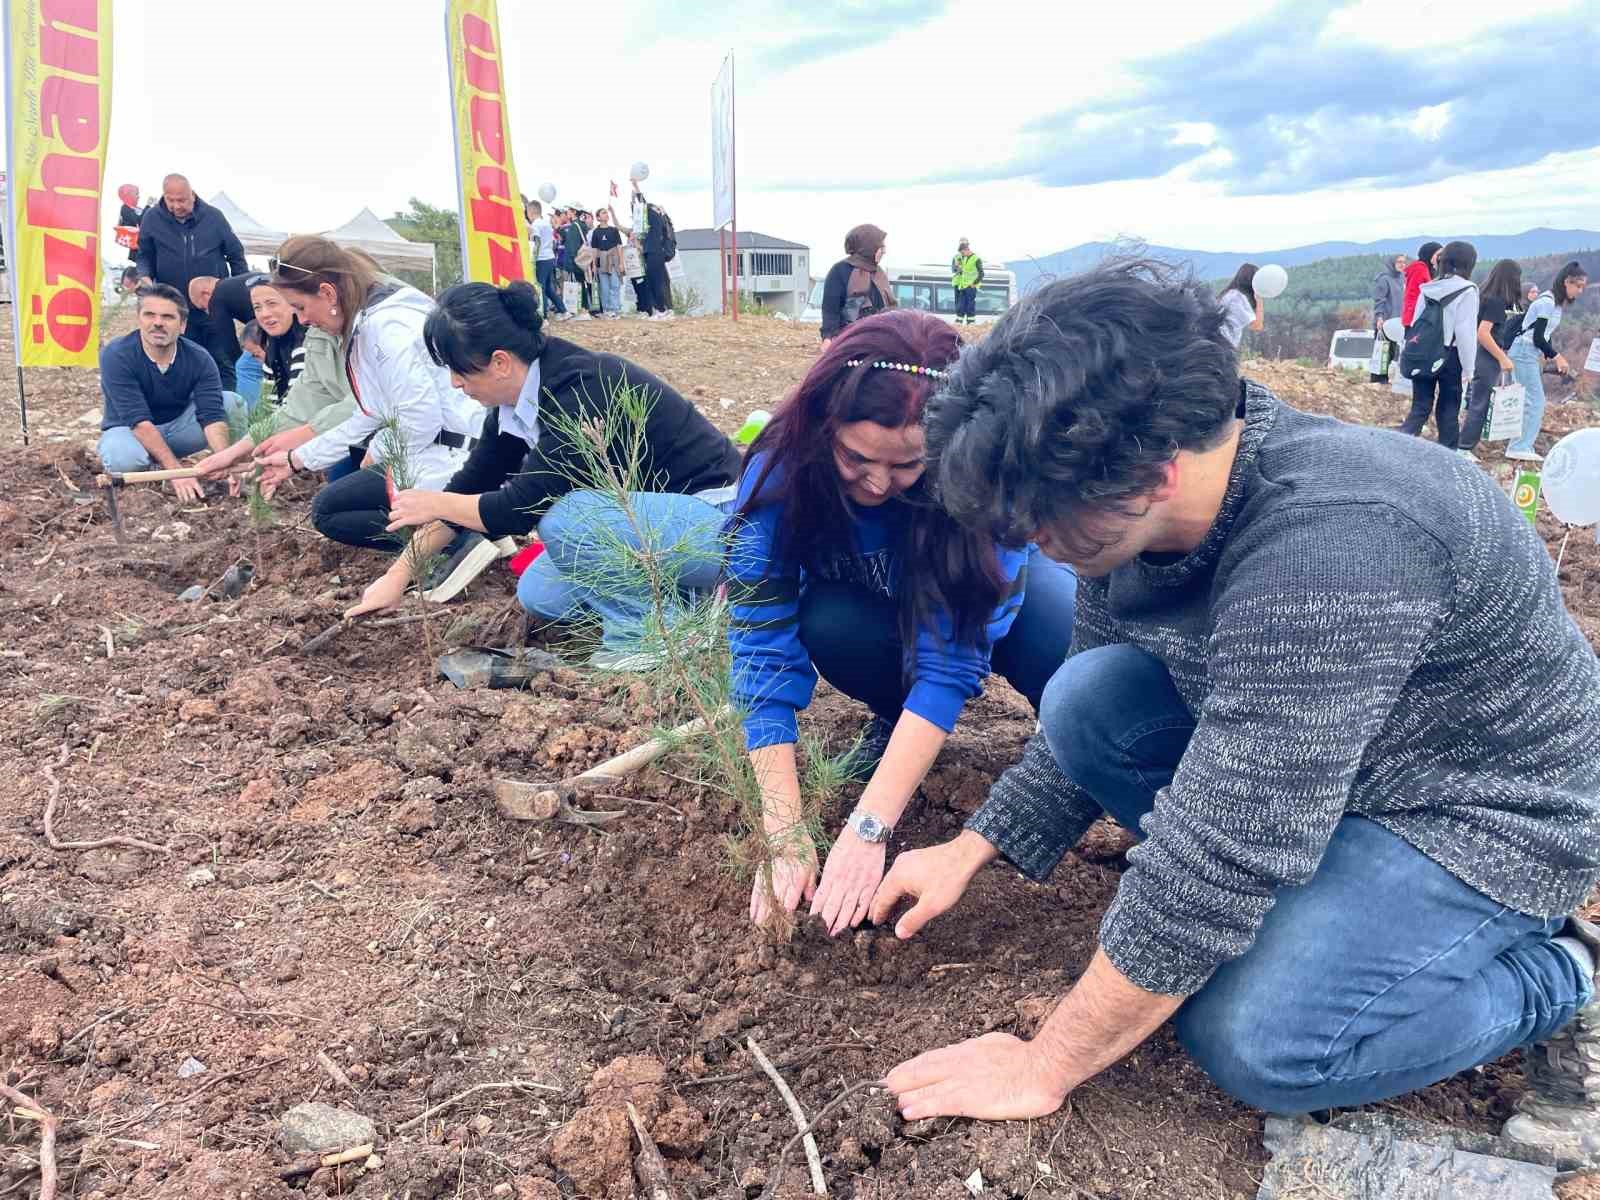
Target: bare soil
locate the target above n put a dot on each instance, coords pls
(339, 882)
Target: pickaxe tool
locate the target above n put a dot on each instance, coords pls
(112, 480)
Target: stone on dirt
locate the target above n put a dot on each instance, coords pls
(636, 1079)
(681, 1131)
(323, 1129)
(1344, 1165)
(190, 594)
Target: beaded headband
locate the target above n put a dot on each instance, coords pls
(908, 368)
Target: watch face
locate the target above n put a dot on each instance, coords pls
(870, 828)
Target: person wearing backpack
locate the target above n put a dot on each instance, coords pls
(1442, 344)
(1533, 348)
(1499, 322)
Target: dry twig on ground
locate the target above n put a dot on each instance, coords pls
(649, 1167)
(771, 1189)
(819, 1186)
(310, 1166)
(50, 812)
(24, 1107)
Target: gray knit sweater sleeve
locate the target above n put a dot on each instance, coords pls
(1322, 617)
(1034, 813)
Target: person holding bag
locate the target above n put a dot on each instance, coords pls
(1499, 321)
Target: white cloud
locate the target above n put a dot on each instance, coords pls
(306, 110)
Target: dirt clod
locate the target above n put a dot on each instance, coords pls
(595, 1149)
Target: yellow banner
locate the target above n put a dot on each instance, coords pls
(58, 117)
(494, 229)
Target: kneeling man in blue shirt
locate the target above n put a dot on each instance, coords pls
(163, 394)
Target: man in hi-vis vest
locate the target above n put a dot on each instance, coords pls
(966, 273)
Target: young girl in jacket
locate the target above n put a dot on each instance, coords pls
(1533, 348)
(400, 392)
(1417, 274)
(1500, 301)
(1241, 307)
(841, 564)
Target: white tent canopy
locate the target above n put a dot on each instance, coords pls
(255, 237)
(365, 231)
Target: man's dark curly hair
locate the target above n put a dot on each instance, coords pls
(1079, 397)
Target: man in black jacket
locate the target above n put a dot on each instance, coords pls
(183, 237)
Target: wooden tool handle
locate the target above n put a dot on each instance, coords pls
(113, 477)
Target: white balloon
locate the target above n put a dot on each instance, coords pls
(1270, 281)
(639, 172)
(547, 192)
(1394, 330)
(1571, 478)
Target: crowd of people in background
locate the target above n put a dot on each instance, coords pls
(595, 251)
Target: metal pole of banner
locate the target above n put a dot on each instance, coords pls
(733, 180)
(22, 396)
(722, 268)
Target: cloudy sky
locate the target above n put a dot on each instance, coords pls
(1027, 126)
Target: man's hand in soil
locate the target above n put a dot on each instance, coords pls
(189, 490)
(794, 878)
(1000, 1077)
(382, 593)
(935, 878)
(995, 1077)
(852, 875)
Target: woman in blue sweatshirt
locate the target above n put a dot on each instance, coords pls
(840, 564)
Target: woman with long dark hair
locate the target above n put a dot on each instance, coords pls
(1533, 348)
(842, 564)
(1499, 311)
(1241, 307)
(525, 469)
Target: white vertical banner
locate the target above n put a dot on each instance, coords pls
(722, 160)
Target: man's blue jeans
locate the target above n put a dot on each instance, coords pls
(1382, 975)
(588, 564)
(545, 271)
(120, 451)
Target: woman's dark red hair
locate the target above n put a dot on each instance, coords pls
(955, 571)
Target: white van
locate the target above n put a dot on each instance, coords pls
(1351, 349)
(928, 289)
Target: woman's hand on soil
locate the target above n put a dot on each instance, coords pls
(414, 506)
(996, 1077)
(852, 875)
(794, 878)
(189, 490)
(382, 593)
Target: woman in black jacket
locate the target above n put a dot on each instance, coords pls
(525, 470)
(856, 285)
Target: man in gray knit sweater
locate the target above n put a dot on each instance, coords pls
(1325, 674)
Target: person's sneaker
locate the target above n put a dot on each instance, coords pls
(633, 662)
(1560, 1111)
(507, 546)
(581, 316)
(464, 559)
(862, 759)
(1524, 456)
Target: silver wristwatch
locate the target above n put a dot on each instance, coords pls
(868, 827)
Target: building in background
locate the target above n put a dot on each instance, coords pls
(771, 271)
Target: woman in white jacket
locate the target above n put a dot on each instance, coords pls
(415, 427)
(1440, 393)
